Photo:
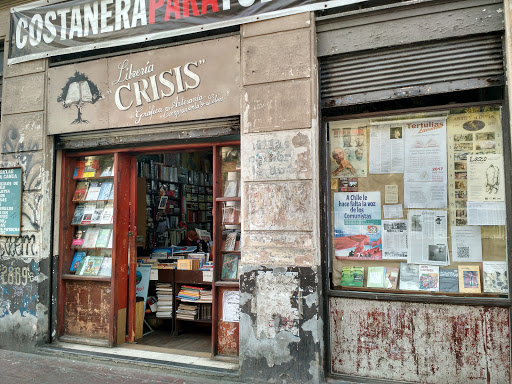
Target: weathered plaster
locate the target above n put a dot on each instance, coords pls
(270, 107)
(22, 132)
(31, 162)
(281, 156)
(279, 324)
(276, 57)
(279, 206)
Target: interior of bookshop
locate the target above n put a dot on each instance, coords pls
(418, 203)
(187, 243)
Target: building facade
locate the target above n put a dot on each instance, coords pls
(297, 86)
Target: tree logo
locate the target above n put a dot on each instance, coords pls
(78, 91)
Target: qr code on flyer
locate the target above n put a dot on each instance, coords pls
(463, 252)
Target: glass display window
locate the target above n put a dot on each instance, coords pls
(418, 203)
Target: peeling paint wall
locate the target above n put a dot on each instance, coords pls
(280, 328)
(25, 261)
(279, 325)
(420, 343)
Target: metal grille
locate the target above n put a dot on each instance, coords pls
(453, 65)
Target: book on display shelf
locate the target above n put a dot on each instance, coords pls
(80, 191)
(79, 255)
(103, 237)
(469, 279)
(91, 236)
(91, 266)
(88, 212)
(105, 189)
(352, 276)
(79, 213)
(448, 280)
(93, 192)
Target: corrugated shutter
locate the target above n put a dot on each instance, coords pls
(445, 66)
(13, 3)
(213, 129)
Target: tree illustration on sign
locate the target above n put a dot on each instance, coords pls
(78, 91)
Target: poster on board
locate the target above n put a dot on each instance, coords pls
(348, 148)
(357, 226)
(11, 182)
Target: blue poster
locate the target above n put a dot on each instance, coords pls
(357, 226)
(10, 201)
(142, 282)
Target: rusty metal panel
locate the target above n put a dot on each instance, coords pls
(87, 308)
(457, 64)
(416, 342)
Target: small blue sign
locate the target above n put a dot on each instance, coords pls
(11, 182)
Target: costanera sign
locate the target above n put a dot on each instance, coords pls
(80, 25)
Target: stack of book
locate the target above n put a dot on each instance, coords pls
(189, 293)
(164, 297)
(208, 266)
(186, 312)
(205, 296)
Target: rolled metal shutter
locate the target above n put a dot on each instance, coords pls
(444, 66)
(212, 129)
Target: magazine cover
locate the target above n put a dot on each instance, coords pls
(429, 277)
(357, 226)
(79, 255)
(352, 277)
(91, 266)
(495, 276)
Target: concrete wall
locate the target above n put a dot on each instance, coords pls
(280, 323)
(25, 260)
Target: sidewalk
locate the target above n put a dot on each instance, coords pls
(24, 368)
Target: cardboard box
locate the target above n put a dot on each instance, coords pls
(188, 264)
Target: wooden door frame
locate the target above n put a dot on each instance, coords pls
(134, 152)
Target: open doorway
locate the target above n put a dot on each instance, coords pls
(187, 245)
(174, 230)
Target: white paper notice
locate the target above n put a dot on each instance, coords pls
(466, 244)
(386, 149)
(394, 239)
(425, 177)
(486, 213)
(391, 194)
(486, 177)
(427, 237)
(231, 306)
(394, 211)
(153, 275)
(208, 276)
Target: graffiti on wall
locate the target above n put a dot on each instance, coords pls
(18, 287)
(24, 246)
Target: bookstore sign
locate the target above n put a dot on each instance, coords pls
(41, 30)
(189, 82)
(11, 181)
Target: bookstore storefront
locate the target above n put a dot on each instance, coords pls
(416, 135)
(360, 234)
(149, 201)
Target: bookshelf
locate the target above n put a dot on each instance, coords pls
(203, 308)
(174, 195)
(227, 245)
(91, 248)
